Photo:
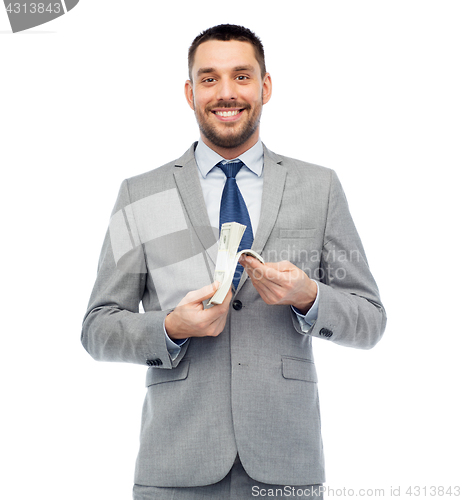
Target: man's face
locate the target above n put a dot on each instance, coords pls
(227, 93)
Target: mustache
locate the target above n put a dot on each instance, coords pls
(228, 105)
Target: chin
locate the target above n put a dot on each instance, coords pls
(229, 141)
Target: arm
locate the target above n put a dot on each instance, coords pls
(114, 329)
(350, 312)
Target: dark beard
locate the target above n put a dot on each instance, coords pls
(230, 140)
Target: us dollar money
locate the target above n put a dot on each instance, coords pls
(228, 257)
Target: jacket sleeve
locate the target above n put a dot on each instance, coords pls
(350, 310)
(114, 329)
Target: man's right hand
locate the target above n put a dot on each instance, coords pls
(191, 319)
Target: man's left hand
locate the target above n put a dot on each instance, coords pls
(281, 283)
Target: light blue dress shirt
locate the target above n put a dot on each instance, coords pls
(250, 182)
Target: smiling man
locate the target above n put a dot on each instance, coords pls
(232, 408)
(227, 89)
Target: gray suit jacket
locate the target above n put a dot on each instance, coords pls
(252, 389)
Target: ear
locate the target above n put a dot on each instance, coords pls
(188, 92)
(267, 88)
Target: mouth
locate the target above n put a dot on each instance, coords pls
(226, 114)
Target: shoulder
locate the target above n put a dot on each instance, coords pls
(301, 168)
(159, 179)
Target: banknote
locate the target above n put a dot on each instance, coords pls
(228, 257)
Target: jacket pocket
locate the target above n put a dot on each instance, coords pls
(156, 376)
(298, 369)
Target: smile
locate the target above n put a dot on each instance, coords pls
(228, 113)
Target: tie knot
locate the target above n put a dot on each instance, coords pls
(231, 168)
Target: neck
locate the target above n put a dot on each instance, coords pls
(231, 153)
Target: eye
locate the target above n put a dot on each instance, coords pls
(208, 80)
(242, 77)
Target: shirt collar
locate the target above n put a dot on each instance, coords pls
(206, 158)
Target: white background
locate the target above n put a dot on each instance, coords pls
(371, 89)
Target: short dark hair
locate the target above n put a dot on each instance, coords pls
(225, 33)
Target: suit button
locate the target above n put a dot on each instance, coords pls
(237, 304)
(154, 362)
(326, 332)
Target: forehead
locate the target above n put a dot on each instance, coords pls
(223, 56)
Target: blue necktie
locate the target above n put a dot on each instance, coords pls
(234, 209)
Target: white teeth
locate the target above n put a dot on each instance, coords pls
(227, 113)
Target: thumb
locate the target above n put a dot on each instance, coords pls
(198, 296)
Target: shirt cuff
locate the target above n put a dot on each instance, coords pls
(309, 319)
(173, 346)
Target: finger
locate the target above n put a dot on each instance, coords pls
(228, 297)
(269, 293)
(218, 324)
(216, 328)
(252, 266)
(249, 261)
(264, 273)
(200, 295)
(269, 282)
(282, 266)
(221, 309)
(216, 315)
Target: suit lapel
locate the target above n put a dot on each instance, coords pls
(274, 177)
(190, 190)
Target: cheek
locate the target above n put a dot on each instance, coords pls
(252, 93)
(202, 99)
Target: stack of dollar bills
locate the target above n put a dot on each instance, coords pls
(228, 257)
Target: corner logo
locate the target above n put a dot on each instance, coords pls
(30, 13)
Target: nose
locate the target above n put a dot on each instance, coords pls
(226, 90)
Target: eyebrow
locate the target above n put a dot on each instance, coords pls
(202, 71)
